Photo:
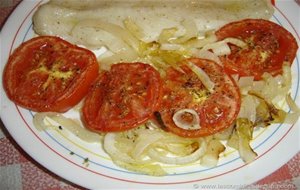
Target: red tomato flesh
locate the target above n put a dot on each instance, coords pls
(122, 98)
(268, 46)
(49, 74)
(217, 110)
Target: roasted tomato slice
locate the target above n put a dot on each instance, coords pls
(269, 46)
(122, 98)
(216, 109)
(49, 74)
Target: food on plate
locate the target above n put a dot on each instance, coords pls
(122, 98)
(268, 46)
(60, 17)
(49, 74)
(216, 108)
(169, 91)
(145, 151)
(128, 37)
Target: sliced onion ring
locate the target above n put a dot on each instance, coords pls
(193, 125)
(109, 147)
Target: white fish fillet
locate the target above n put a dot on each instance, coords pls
(58, 17)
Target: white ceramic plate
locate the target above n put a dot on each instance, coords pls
(66, 156)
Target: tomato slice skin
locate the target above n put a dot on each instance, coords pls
(47, 73)
(217, 110)
(122, 98)
(269, 45)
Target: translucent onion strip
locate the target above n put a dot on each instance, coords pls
(244, 131)
(134, 29)
(171, 47)
(191, 31)
(205, 54)
(211, 157)
(291, 118)
(248, 108)
(201, 42)
(222, 48)
(113, 29)
(166, 35)
(154, 154)
(107, 59)
(109, 147)
(219, 48)
(202, 76)
(144, 141)
(38, 120)
(43, 121)
(292, 104)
